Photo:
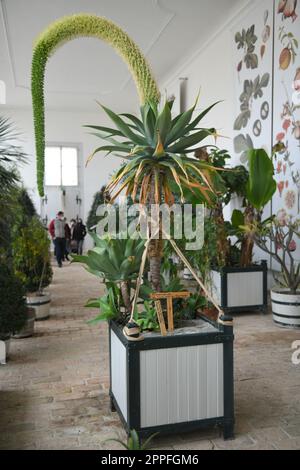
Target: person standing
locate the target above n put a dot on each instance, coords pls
(79, 233)
(59, 237)
(68, 240)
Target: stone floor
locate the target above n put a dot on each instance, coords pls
(54, 388)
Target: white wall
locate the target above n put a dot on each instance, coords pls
(211, 71)
(65, 127)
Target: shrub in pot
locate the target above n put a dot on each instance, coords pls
(31, 262)
(13, 310)
(278, 237)
(238, 282)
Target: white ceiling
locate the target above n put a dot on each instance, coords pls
(167, 31)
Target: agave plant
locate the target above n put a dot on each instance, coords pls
(157, 147)
(115, 260)
(133, 441)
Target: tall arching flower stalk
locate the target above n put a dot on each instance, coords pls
(67, 29)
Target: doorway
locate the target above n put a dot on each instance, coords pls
(63, 182)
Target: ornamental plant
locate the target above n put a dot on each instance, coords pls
(277, 236)
(158, 164)
(31, 256)
(13, 307)
(67, 29)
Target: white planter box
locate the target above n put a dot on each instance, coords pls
(240, 289)
(174, 383)
(285, 308)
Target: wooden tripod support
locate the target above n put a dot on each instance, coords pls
(169, 296)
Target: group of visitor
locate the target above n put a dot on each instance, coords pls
(67, 238)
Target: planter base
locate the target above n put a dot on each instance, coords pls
(41, 305)
(285, 308)
(178, 383)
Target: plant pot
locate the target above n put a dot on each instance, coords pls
(176, 383)
(285, 308)
(28, 329)
(240, 289)
(4, 348)
(41, 305)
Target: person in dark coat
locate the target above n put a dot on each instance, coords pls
(68, 239)
(79, 234)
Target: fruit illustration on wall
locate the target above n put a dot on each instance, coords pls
(288, 9)
(290, 46)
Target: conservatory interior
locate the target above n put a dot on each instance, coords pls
(149, 225)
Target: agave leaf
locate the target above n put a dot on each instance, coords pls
(178, 128)
(163, 122)
(124, 128)
(138, 123)
(106, 130)
(194, 123)
(186, 142)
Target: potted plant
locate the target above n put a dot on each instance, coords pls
(31, 262)
(278, 237)
(239, 283)
(13, 311)
(156, 148)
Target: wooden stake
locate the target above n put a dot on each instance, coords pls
(160, 317)
(169, 296)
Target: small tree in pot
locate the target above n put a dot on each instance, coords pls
(277, 236)
(31, 262)
(13, 311)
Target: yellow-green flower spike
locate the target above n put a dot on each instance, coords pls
(64, 30)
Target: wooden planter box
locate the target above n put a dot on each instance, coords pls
(180, 382)
(241, 289)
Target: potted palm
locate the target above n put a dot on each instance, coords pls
(277, 236)
(13, 311)
(31, 262)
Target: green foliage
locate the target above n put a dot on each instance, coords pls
(147, 319)
(192, 304)
(108, 305)
(261, 184)
(157, 147)
(67, 29)
(100, 198)
(31, 255)
(13, 307)
(115, 259)
(134, 442)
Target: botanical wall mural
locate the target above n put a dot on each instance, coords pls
(253, 81)
(267, 82)
(287, 106)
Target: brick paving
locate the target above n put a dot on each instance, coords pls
(54, 388)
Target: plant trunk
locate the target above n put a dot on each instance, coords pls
(222, 241)
(248, 242)
(155, 246)
(125, 295)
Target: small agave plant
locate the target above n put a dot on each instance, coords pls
(159, 162)
(133, 441)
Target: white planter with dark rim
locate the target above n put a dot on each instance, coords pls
(41, 305)
(28, 329)
(285, 308)
(175, 383)
(4, 350)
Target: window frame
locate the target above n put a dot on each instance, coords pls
(62, 145)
